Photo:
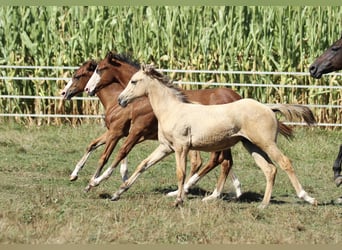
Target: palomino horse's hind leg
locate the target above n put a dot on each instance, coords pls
(91, 147)
(278, 157)
(266, 166)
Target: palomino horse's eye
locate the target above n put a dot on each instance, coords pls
(134, 82)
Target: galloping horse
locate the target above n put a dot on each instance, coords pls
(74, 87)
(112, 65)
(181, 127)
(113, 69)
(329, 61)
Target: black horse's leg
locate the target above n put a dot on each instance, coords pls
(337, 168)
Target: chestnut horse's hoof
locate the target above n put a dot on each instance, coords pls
(338, 180)
(87, 188)
(179, 203)
(73, 177)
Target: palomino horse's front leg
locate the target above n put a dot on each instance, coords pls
(181, 154)
(91, 147)
(157, 155)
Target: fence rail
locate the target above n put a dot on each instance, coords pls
(3, 78)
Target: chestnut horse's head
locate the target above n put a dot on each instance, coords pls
(79, 80)
(114, 68)
(329, 61)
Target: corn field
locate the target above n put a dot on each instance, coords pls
(242, 38)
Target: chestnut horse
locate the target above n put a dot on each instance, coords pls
(74, 87)
(329, 61)
(181, 128)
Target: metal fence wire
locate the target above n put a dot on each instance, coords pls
(98, 110)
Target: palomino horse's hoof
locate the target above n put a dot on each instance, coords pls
(338, 180)
(73, 177)
(263, 206)
(115, 197)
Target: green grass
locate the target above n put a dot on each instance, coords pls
(38, 204)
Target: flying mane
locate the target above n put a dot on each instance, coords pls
(123, 57)
(165, 80)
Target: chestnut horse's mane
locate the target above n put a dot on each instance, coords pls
(123, 57)
(165, 80)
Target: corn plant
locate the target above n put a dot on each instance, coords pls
(247, 38)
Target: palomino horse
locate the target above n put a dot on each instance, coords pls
(139, 118)
(329, 61)
(181, 127)
(112, 65)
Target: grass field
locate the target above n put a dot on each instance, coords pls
(38, 204)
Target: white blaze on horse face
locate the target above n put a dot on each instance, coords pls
(93, 81)
(66, 88)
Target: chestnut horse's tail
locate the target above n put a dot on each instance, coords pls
(291, 113)
(285, 130)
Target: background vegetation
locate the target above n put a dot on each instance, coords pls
(216, 38)
(38, 204)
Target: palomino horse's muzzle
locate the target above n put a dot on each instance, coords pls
(123, 103)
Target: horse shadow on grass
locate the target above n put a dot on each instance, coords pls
(246, 197)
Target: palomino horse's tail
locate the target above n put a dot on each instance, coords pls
(291, 113)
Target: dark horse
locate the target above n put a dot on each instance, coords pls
(329, 61)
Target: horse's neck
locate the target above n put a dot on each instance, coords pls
(162, 99)
(124, 74)
(109, 95)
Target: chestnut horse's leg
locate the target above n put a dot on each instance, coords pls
(111, 141)
(124, 169)
(195, 161)
(337, 168)
(226, 160)
(135, 136)
(91, 147)
(158, 154)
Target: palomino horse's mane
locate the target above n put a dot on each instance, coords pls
(165, 80)
(123, 57)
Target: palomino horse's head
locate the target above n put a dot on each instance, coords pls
(329, 61)
(79, 80)
(114, 68)
(137, 86)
